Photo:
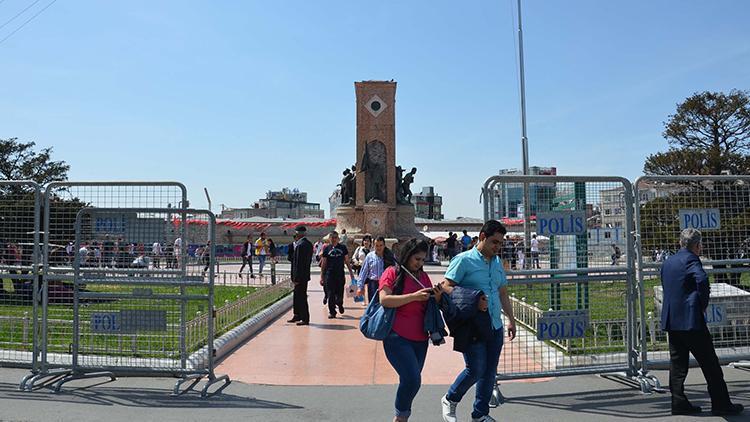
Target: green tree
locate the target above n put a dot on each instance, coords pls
(708, 134)
(22, 161)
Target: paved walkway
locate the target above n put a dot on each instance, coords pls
(334, 352)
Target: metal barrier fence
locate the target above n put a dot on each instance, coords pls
(573, 283)
(719, 206)
(60, 204)
(19, 259)
(133, 318)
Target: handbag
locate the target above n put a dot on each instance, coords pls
(377, 321)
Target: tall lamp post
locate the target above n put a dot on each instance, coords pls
(524, 138)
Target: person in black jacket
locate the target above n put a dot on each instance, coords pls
(686, 297)
(301, 257)
(247, 255)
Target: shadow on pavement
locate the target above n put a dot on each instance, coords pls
(338, 327)
(630, 403)
(138, 397)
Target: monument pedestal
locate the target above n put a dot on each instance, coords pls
(377, 219)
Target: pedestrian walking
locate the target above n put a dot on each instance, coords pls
(247, 256)
(272, 251)
(686, 297)
(407, 288)
(465, 242)
(321, 245)
(156, 254)
(335, 256)
(261, 251)
(535, 252)
(206, 257)
(521, 252)
(481, 269)
(450, 245)
(372, 269)
(507, 253)
(301, 258)
(177, 252)
(616, 254)
(360, 253)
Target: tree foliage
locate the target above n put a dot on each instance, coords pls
(20, 161)
(708, 134)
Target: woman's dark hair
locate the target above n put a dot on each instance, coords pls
(380, 239)
(405, 252)
(410, 248)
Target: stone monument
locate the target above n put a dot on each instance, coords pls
(380, 195)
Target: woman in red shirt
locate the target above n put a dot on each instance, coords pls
(407, 288)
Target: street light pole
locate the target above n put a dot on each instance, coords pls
(524, 138)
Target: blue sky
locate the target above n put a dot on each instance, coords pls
(246, 96)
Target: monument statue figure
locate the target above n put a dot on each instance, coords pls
(346, 187)
(353, 185)
(406, 185)
(399, 187)
(374, 166)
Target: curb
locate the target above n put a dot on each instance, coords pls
(236, 336)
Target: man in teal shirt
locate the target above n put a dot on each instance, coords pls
(481, 269)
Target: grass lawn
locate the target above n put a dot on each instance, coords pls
(607, 301)
(15, 332)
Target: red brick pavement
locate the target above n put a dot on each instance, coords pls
(333, 352)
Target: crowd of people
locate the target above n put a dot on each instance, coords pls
(111, 252)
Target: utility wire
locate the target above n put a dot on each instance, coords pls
(19, 14)
(28, 20)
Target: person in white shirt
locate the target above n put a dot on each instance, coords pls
(534, 252)
(361, 252)
(83, 255)
(177, 252)
(156, 253)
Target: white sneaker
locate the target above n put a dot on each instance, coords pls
(449, 409)
(485, 418)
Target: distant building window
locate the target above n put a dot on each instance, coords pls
(607, 235)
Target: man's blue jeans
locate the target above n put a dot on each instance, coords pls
(407, 358)
(261, 263)
(481, 369)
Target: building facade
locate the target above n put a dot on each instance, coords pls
(509, 196)
(287, 203)
(427, 204)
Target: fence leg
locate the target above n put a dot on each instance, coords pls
(497, 397)
(195, 378)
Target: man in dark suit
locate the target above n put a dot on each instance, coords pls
(301, 257)
(686, 296)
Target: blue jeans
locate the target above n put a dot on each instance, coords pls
(481, 369)
(261, 263)
(407, 358)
